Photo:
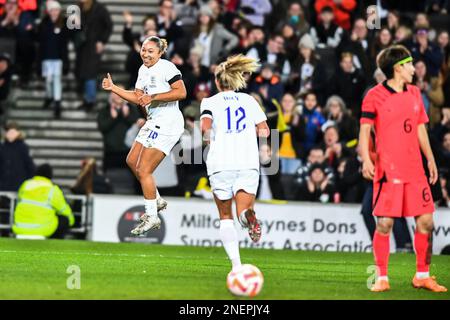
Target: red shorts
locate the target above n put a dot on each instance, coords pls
(396, 200)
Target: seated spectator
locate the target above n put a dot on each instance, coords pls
(308, 73)
(326, 34)
(291, 149)
(114, 120)
(53, 53)
(314, 121)
(134, 42)
(341, 9)
(338, 115)
(349, 181)
(194, 72)
(318, 187)
(334, 148)
(403, 35)
(5, 81)
(90, 181)
(16, 164)
(296, 18)
(268, 86)
(349, 83)
(41, 208)
(383, 40)
(444, 45)
(290, 42)
(255, 10)
(272, 53)
(212, 37)
(431, 90)
(316, 156)
(422, 49)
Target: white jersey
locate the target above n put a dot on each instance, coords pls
(165, 116)
(233, 140)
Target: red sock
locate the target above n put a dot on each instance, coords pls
(381, 252)
(423, 245)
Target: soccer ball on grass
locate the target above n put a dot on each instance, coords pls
(245, 281)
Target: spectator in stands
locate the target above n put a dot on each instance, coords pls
(444, 45)
(334, 148)
(5, 81)
(53, 53)
(403, 35)
(338, 115)
(90, 181)
(213, 39)
(291, 148)
(194, 73)
(16, 164)
(270, 186)
(273, 53)
(326, 34)
(114, 120)
(170, 28)
(255, 10)
(393, 21)
(313, 119)
(296, 18)
(134, 42)
(431, 90)
(342, 10)
(318, 187)
(421, 48)
(90, 41)
(290, 42)
(9, 19)
(349, 181)
(308, 72)
(187, 12)
(349, 83)
(383, 40)
(358, 44)
(41, 208)
(422, 21)
(437, 6)
(268, 86)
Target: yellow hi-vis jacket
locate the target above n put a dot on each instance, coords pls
(38, 203)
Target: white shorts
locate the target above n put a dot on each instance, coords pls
(153, 138)
(225, 184)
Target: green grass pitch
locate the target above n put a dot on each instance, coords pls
(38, 270)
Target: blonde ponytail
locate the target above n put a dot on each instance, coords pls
(230, 73)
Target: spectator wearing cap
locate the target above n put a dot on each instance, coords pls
(16, 164)
(342, 10)
(326, 34)
(308, 71)
(338, 115)
(255, 10)
(422, 49)
(349, 83)
(53, 54)
(274, 54)
(5, 81)
(214, 40)
(318, 186)
(268, 86)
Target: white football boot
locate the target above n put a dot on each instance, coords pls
(148, 223)
(161, 205)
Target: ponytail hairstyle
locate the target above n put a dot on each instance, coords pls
(160, 43)
(230, 73)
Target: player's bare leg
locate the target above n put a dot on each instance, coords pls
(244, 205)
(132, 160)
(228, 233)
(148, 161)
(381, 250)
(423, 244)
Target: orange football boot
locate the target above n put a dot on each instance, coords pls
(429, 283)
(380, 286)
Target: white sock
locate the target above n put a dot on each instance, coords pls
(150, 207)
(230, 242)
(383, 278)
(422, 275)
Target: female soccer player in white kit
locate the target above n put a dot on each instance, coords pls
(231, 122)
(158, 89)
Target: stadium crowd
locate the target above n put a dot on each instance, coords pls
(317, 62)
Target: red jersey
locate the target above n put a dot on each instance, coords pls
(396, 117)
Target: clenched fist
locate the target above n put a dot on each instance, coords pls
(107, 83)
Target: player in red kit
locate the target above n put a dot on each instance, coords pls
(395, 110)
